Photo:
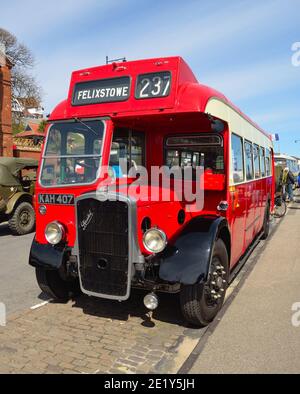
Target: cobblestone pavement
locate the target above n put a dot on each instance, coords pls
(97, 336)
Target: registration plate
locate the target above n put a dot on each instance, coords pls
(56, 199)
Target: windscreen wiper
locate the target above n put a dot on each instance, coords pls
(87, 126)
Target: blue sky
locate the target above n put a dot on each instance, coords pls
(242, 48)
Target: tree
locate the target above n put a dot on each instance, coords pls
(24, 85)
(42, 126)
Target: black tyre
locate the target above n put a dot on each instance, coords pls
(266, 225)
(280, 208)
(23, 219)
(200, 303)
(51, 283)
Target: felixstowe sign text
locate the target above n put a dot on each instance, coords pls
(101, 91)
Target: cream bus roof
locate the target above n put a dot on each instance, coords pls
(237, 123)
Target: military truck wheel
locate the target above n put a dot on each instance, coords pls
(23, 219)
(201, 302)
(51, 283)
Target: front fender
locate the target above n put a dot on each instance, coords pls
(47, 256)
(14, 199)
(188, 260)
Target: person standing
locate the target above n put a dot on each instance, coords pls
(289, 181)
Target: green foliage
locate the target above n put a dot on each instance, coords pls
(17, 127)
(42, 126)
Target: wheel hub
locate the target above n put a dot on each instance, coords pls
(24, 218)
(216, 285)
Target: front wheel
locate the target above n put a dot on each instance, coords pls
(201, 302)
(51, 283)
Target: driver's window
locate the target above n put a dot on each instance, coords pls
(127, 150)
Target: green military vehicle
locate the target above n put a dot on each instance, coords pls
(17, 183)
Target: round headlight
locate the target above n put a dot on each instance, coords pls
(54, 233)
(155, 240)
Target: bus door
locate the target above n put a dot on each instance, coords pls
(238, 201)
(251, 197)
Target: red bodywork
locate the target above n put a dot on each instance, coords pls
(181, 112)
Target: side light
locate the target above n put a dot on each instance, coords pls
(42, 210)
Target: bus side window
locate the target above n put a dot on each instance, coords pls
(256, 161)
(249, 160)
(129, 146)
(268, 162)
(262, 162)
(237, 158)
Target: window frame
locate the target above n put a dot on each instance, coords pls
(251, 145)
(262, 158)
(243, 157)
(257, 147)
(45, 157)
(130, 134)
(167, 147)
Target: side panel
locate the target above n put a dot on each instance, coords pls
(188, 260)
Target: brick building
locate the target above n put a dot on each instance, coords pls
(6, 140)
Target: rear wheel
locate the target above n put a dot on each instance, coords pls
(280, 208)
(51, 283)
(201, 302)
(23, 219)
(266, 225)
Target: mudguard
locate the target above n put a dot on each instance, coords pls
(14, 200)
(47, 256)
(188, 260)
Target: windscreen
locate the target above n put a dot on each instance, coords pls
(73, 153)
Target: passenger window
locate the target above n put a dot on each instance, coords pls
(237, 158)
(268, 162)
(262, 162)
(249, 160)
(195, 151)
(256, 161)
(129, 146)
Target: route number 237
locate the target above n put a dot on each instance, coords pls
(153, 85)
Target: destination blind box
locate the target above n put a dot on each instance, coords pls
(151, 85)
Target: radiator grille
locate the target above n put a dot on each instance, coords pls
(103, 246)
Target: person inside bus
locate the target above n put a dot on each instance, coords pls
(288, 180)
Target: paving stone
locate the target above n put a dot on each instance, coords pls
(93, 337)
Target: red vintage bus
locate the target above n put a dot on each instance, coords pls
(93, 235)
